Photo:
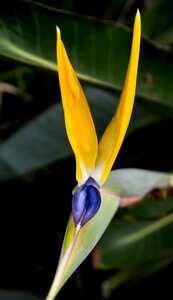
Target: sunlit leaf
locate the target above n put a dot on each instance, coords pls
(136, 182)
(26, 37)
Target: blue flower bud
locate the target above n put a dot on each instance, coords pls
(86, 202)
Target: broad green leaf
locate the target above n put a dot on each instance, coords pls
(104, 9)
(78, 244)
(153, 251)
(156, 204)
(26, 37)
(17, 295)
(97, 97)
(149, 240)
(136, 182)
(39, 143)
(161, 32)
(125, 277)
(166, 37)
(42, 141)
(139, 241)
(114, 9)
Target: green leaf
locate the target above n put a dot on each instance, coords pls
(17, 295)
(42, 141)
(125, 277)
(79, 243)
(148, 244)
(136, 182)
(149, 240)
(161, 32)
(27, 38)
(37, 144)
(97, 97)
(139, 241)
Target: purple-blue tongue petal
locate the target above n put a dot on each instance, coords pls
(86, 202)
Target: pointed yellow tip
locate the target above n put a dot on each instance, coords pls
(138, 17)
(58, 32)
(137, 29)
(138, 13)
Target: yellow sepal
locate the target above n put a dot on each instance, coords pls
(78, 120)
(114, 134)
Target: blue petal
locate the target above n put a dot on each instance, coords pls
(86, 202)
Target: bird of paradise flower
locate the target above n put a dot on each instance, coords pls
(93, 160)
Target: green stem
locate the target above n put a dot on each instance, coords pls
(58, 279)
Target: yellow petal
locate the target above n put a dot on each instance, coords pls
(113, 136)
(78, 121)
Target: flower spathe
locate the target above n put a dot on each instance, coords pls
(94, 160)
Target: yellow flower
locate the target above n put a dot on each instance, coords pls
(94, 160)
